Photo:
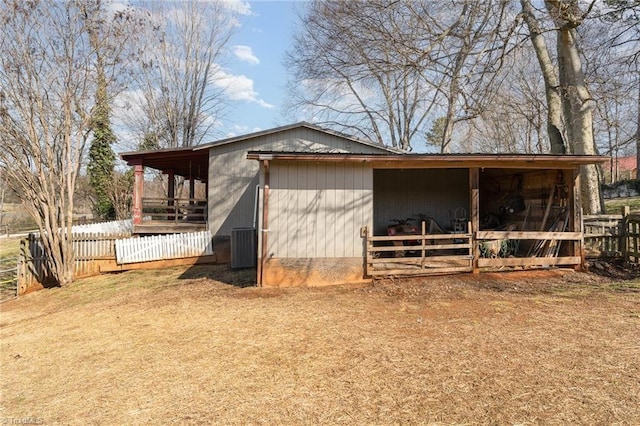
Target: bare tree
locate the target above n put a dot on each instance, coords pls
(566, 80)
(614, 86)
(515, 120)
(388, 69)
(47, 87)
(349, 73)
(473, 56)
(621, 20)
(555, 120)
(179, 89)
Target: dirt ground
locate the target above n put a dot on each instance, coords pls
(199, 347)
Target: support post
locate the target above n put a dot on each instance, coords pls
(138, 190)
(171, 193)
(575, 204)
(265, 224)
(474, 193)
(192, 189)
(624, 232)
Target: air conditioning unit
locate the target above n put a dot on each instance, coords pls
(244, 251)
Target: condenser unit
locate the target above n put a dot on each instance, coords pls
(243, 248)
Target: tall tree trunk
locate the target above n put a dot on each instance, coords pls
(555, 125)
(578, 112)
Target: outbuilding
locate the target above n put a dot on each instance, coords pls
(326, 208)
(328, 218)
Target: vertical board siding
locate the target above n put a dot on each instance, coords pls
(325, 206)
(162, 247)
(232, 178)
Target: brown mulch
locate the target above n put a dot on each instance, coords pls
(197, 346)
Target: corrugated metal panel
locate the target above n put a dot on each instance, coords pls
(317, 209)
(159, 247)
(233, 178)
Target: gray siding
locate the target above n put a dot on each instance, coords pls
(233, 178)
(316, 210)
(401, 194)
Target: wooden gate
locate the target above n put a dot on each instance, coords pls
(418, 254)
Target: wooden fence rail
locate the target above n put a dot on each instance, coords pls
(613, 236)
(8, 284)
(418, 254)
(91, 251)
(97, 252)
(175, 209)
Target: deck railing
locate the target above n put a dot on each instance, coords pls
(191, 210)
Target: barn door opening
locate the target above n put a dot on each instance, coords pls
(419, 222)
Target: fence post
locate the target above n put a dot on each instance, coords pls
(23, 259)
(624, 232)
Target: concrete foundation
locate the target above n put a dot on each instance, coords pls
(312, 272)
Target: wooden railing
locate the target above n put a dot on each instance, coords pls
(496, 249)
(613, 236)
(603, 235)
(192, 210)
(418, 254)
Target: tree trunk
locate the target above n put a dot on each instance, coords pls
(577, 108)
(555, 125)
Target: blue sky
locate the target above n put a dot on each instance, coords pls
(259, 48)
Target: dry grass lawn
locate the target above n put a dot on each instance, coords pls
(185, 347)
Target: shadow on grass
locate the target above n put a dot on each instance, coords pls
(222, 274)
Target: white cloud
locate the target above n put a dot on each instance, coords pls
(238, 88)
(245, 54)
(241, 129)
(239, 6)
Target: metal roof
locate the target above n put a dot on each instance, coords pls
(407, 161)
(295, 126)
(186, 162)
(194, 161)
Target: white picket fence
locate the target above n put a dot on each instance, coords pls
(111, 227)
(161, 247)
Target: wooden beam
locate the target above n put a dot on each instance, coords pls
(576, 222)
(138, 192)
(434, 271)
(474, 209)
(418, 237)
(425, 247)
(418, 260)
(529, 261)
(528, 235)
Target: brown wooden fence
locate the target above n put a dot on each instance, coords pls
(92, 251)
(613, 236)
(418, 254)
(96, 252)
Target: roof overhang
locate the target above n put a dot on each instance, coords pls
(421, 161)
(186, 162)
